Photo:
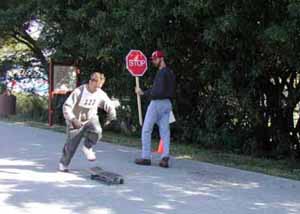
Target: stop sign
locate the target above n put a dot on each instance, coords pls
(136, 63)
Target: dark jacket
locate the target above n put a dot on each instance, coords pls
(164, 85)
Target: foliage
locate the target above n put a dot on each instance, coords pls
(31, 107)
(2, 88)
(236, 62)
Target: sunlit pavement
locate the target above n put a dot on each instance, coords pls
(30, 183)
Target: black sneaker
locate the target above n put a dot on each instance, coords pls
(144, 162)
(164, 162)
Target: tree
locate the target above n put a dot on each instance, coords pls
(236, 61)
(16, 17)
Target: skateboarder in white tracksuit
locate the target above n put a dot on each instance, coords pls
(80, 111)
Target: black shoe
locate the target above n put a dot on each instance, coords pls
(164, 162)
(144, 162)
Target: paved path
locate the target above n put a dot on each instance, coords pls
(30, 183)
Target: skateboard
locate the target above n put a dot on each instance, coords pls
(99, 174)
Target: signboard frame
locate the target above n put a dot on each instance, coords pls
(53, 82)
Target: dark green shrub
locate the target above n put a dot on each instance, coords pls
(32, 107)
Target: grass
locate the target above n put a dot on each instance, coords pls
(281, 168)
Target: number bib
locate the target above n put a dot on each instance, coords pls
(88, 100)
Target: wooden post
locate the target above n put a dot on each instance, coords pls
(50, 81)
(139, 101)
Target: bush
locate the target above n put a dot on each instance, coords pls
(32, 107)
(2, 88)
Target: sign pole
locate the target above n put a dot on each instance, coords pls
(136, 64)
(137, 82)
(50, 80)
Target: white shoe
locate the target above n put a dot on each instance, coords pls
(62, 168)
(89, 153)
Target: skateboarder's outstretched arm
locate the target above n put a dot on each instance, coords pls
(108, 105)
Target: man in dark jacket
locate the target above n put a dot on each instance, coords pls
(159, 109)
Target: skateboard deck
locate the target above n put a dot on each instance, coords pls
(99, 174)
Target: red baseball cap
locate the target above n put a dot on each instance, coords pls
(157, 54)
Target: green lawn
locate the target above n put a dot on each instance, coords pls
(282, 168)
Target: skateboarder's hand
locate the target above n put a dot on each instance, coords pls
(76, 124)
(116, 103)
(107, 123)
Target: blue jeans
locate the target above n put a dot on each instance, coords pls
(158, 112)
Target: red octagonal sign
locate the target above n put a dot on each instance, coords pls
(136, 63)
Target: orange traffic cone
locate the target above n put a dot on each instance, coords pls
(160, 148)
